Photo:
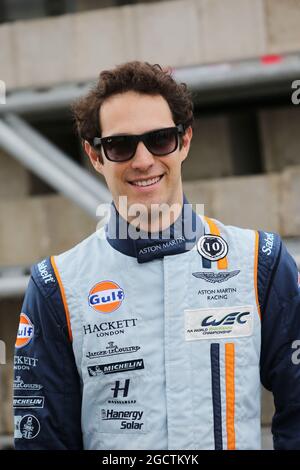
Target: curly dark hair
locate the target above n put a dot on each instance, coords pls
(141, 77)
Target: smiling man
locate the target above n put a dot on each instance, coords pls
(128, 131)
(158, 339)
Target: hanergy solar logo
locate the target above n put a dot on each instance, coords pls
(106, 297)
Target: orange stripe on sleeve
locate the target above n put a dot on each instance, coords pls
(214, 230)
(230, 394)
(63, 295)
(256, 271)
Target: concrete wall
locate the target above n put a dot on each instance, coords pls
(176, 33)
(40, 226)
(280, 137)
(250, 202)
(282, 18)
(14, 178)
(263, 202)
(210, 154)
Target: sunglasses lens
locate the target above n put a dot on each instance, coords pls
(119, 148)
(162, 142)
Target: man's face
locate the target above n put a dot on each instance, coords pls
(135, 113)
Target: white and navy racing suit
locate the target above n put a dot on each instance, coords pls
(160, 344)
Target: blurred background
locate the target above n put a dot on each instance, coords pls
(239, 58)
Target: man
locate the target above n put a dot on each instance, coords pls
(157, 339)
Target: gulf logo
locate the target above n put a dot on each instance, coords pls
(106, 296)
(25, 331)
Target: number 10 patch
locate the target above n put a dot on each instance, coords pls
(212, 247)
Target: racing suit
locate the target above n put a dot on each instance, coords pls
(160, 344)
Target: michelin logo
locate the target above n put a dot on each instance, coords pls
(115, 367)
(28, 402)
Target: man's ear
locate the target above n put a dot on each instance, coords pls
(186, 142)
(95, 157)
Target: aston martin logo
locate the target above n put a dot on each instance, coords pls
(216, 277)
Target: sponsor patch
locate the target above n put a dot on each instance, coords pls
(25, 331)
(212, 247)
(223, 293)
(20, 385)
(113, 350)
(28, 402)
(126, 420)
(161, 246)
(106, 297)
(121, 392)
(109, 328)
(121, 388)
(214, 278)
(26, 427)
(268, 243)
(24, 362)
(44, 272)
(115, 367)
(212, 323)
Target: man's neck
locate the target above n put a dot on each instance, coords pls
(176, 238)
(155, 218)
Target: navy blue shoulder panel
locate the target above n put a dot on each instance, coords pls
(269, 248)
(45, 278)
(280, 347)
(47, 390)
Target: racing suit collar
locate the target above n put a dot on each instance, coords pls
(180, 237)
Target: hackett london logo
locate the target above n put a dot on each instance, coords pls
(110, 328)
(24, 362)
(106, 297)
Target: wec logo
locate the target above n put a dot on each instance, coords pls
(229, 319)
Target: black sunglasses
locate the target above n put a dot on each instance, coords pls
(120, 148)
